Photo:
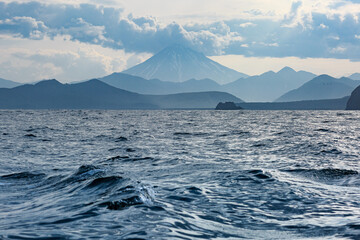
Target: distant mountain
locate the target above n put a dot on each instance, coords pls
(8, 84)
(155, 86)
(51, 94)
(95, 94)
(268, 86)
(355, 76)
(178, 63)
(192, 100)
(321, 87)
(329, 104)
(354, 101)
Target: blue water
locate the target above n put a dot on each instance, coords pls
(179, 175)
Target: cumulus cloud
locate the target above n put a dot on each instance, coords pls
(301, 34)
(26, 60)
(65, 66)
(109, 27)
(84, 32)
(26, 27)
(311, 28)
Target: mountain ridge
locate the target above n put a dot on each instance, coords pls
(95, 94)
(177, 63)
(321, 87)
(257, 88)
(156, 86)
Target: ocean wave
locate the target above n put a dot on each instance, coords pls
(331, 176)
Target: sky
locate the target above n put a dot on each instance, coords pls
(78, 40)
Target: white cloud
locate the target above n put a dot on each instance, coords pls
(259, 65)
(23, 26)
(84, 31)
(336, 38)
(110, 27)
(338, 49)
(29, 60)
(187, 11)
(247, 24)
(323, 26)
(259, 28)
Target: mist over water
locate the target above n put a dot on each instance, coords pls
(179, 174)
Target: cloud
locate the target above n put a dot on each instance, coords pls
(26, 27)
(338, 49)
(109, 27)
(65, 66)
(27, 60)
(323, 26)
(318, 35)
(247, 24)
(84, 32)
(310, 28)
(259, 65)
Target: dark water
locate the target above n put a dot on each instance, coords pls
(179, 175)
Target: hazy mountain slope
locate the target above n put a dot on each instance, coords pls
(354, 100)
(54, 95)
(155, 86)
(94, 94)
(321, 87)
(268, 86)
(192, 100)
(8, 84)
(328, 104)
(178, 63)
(355, 76)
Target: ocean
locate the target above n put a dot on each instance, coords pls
(78, 174)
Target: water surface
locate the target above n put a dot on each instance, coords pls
(179, 175)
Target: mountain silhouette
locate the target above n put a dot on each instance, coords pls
(268, 86)
(178, 63)
(321, 87)
(156, 86)
(354, 101)
(95, 94)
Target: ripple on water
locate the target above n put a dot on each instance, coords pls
(179, 175)
(331, 176)
(24, 176)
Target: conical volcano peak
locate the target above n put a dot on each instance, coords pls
(287, 70)
(180, 52)
(178, 63)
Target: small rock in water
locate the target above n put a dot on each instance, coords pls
(227, 106)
